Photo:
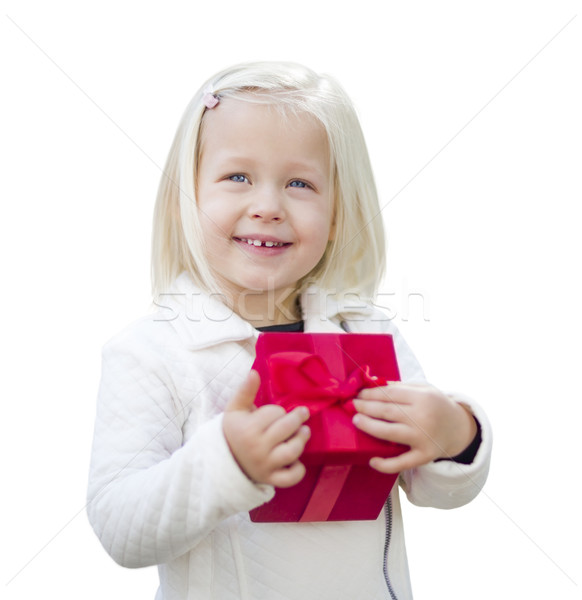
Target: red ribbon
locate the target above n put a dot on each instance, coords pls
(303, 379)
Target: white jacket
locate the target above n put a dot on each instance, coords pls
(164, 488)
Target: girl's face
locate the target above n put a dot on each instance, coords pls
(265, 203)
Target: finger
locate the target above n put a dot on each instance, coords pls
(244, 398)
(395, 391)
(388, 411)
(264, 416)
(288, 476)
(286, 453)
(383, 430)
(288, 425)
(395, 464)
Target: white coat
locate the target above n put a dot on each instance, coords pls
(165, 490)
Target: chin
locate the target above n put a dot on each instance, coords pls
(262, 285)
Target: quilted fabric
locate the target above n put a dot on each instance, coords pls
(164, 488)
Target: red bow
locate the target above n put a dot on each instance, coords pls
(303, 379)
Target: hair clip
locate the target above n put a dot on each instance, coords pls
(209, 99)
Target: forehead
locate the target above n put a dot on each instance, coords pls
(241, 126)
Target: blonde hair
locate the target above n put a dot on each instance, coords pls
(354, 260)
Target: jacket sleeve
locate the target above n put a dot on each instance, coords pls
(443, 484)
(152, 497)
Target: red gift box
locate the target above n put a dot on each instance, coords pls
(324, 372)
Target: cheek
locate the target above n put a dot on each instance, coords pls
(321, 225)
(319, 234)
(207, 217)
(214, 216)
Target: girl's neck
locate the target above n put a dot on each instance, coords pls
(274, 308)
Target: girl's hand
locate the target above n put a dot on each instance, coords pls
(266, 442)
(420, 416)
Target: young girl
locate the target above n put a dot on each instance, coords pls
(267, 217)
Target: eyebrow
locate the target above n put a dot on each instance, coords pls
(292, 165)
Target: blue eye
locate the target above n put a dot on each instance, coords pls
(238, 178)
(298, 184)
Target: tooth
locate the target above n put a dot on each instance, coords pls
(270, 244)
(250, 242)
(257, 242)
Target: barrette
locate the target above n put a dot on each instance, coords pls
(209, 99)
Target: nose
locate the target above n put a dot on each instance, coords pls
(267, 206)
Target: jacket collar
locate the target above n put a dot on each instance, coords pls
(202, 320)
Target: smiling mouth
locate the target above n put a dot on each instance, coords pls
(259, 243)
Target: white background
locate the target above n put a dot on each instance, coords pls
(472, 115)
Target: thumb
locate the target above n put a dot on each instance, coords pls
(244, 398)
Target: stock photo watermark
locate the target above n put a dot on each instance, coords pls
(405, 305)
